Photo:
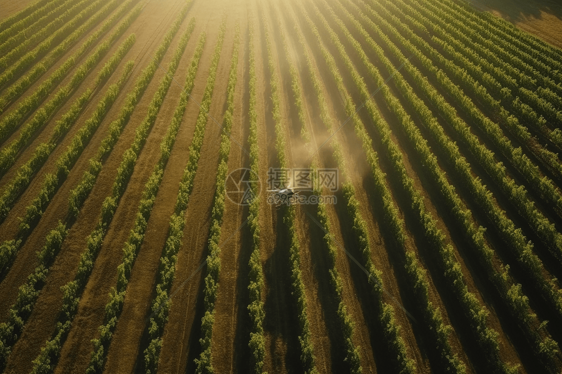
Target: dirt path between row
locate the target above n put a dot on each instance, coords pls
(25, 261)
(11, 7)
(181, 335)
(231, 328)
(42, 320)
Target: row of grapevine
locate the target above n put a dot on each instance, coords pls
(33, 38)
(485, 59)
(289, 212)
(512, 124)
(485, 336)
(528, 105)
(9, 153)
(305, 339)
(161, 303)
(22, 14)
(526, 111)
(416, 274)
(47, 359)
(204, 363)
(15, 65)
(468, 60)
(256, 286)
(385, 312)
(550, 113)
(504, 28)
(511, 294)
(10, 331)
(27, 171)
(509, 76)
(506, 56)
(516, 194)
(542, 63)
(549, 97)
(296, 89)
(9, 248)
(64, 164)
(18, 32)
(133, 244)
(11, 121)
(542, 185)
(80, 193)
(522, 249)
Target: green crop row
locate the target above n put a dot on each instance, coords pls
(307, 347)
(33, 38)
(457, 51)
(516, 194)
(68, 159)
(13, 68)
(545, 108)
(550, 97)
(475, 313)
(50, 186)
(512, 124)
(532, 69)
(10, 122)
(528, 79)
(20, 31)
(513, 236)
(483, 59)
(255, 288)
(385, 313)
(524, 251)
(527, 105)
(79, 194)
(166, 271)
(504, 28)
(437, 330)
(527, 259)
(544, 228)
(47, 359)
(204, 363)
(132, 247)
(516, 301)
(454, 36)
(10, 331)
(26, 172)
(22, 14)
(352, 356)
(295, 86)
(289, 216)
(485, 336)
(509, 76)
(28, 293)
(541, 62)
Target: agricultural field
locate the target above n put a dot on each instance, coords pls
(250, 186)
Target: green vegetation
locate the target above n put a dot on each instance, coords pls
(256, 286)
(166, 272)
(204, 362)
(46, 361)
(11, 121)
(10, 331)
(133, 245)
(289, 219)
